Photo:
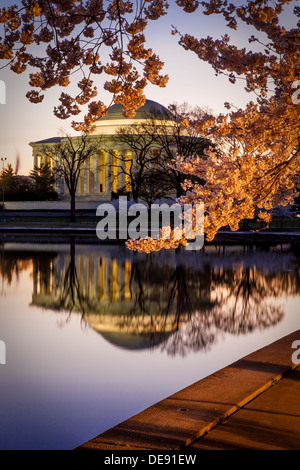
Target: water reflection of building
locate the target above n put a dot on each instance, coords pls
(127, 304)
(181, 303)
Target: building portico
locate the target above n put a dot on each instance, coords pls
(106, 171)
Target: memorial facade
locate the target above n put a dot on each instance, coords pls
(104, 172)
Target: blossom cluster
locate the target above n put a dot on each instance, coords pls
(77, 36)
(253, 166)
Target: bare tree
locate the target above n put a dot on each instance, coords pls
(155, 186)
(180, 139)
(68, 157)
(154, 145)
(142, 159)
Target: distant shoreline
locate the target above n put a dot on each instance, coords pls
(86, 232)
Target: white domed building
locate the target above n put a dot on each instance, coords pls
(100, 176)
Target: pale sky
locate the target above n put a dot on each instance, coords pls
(191, 80)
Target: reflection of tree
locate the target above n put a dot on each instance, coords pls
(70, 296)
(11, 267)
(182, 304)
(176, 289)
(164, 300)
(242, 299)
(12, 263)
(204, 327)
(247, 299)
(199, 333)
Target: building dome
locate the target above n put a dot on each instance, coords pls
(150, 108)
(115, 118)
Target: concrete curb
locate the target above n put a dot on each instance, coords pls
(184, 417)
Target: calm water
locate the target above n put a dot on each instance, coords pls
(95, 334)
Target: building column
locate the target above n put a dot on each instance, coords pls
(101, 271)
(114, 170)
(108, 172)
(90, 277)
(91, 174)
(108, 175)
(96, 170)
(35, 278)
(85, 281)
(121, 281)
(120, 170)
(127, 166)
(35, 160)
(85, 181)
(107, 277)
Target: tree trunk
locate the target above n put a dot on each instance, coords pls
(72, 260)
(179, 190)
(72, 207)
(135, 193)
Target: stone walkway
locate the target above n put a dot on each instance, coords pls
(253, 404)
(269, 422)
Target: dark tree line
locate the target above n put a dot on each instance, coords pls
(39, 185)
